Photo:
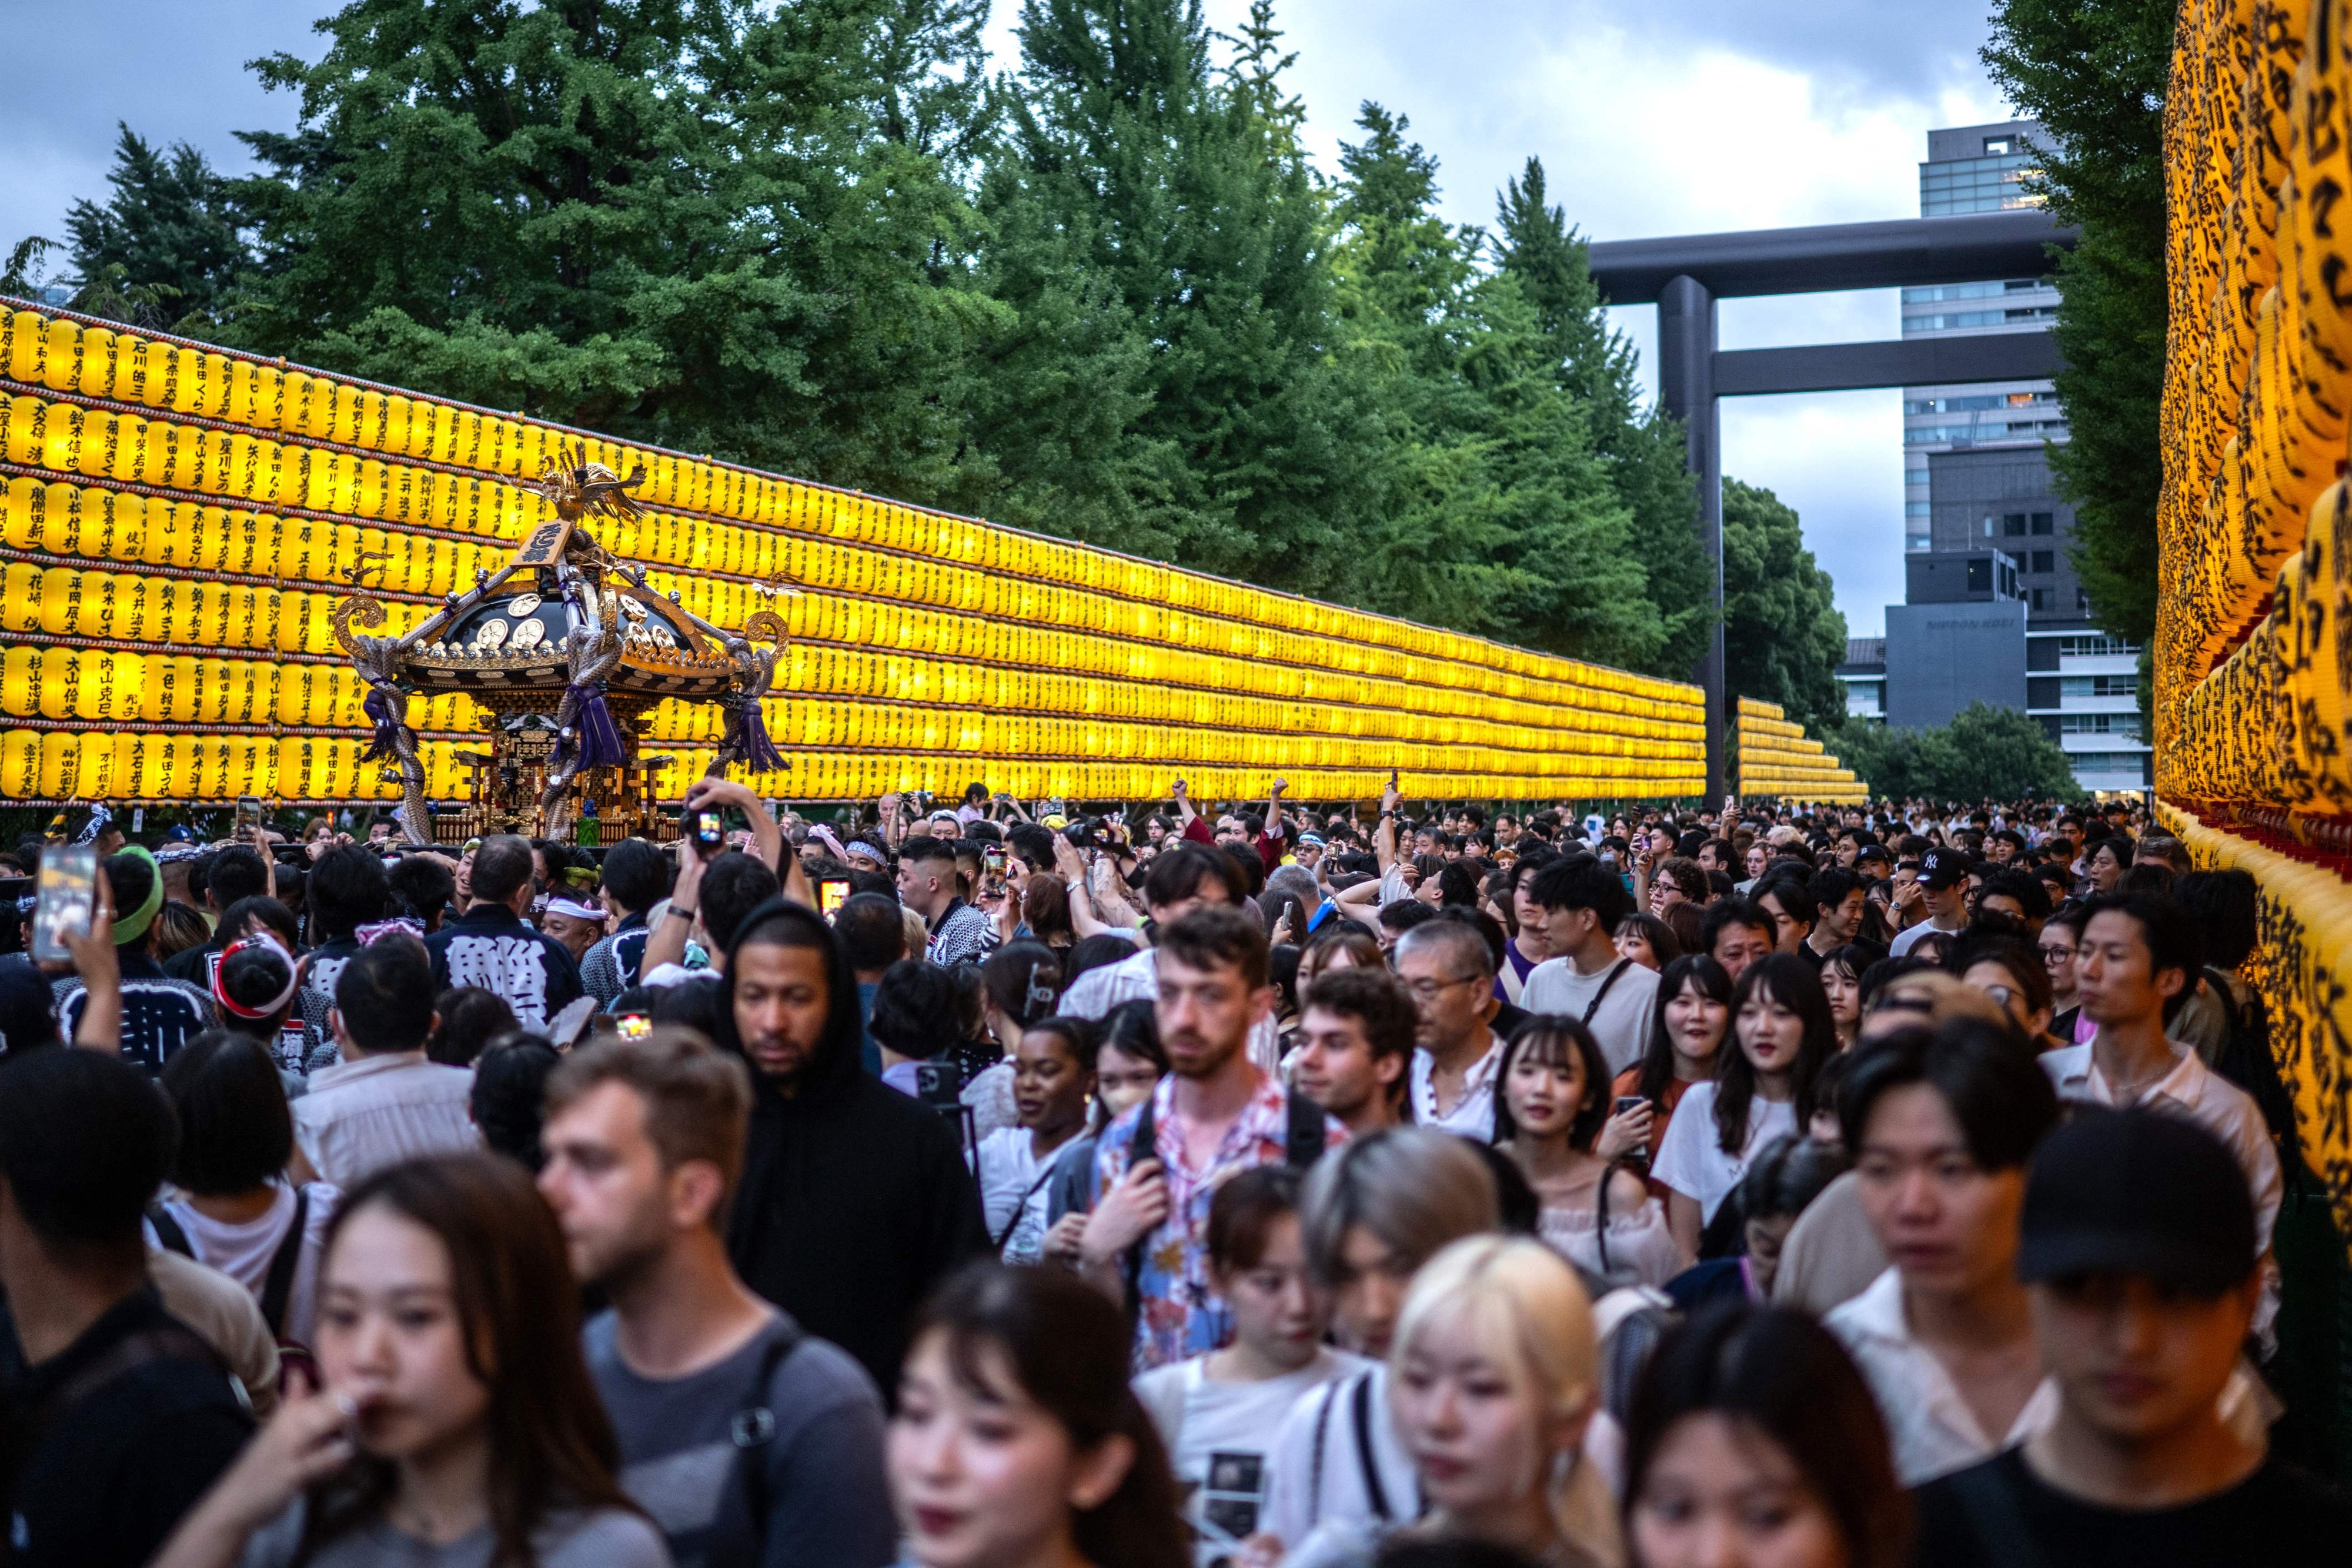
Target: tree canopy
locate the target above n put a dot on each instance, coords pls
(1985, 753)
(1106, 295)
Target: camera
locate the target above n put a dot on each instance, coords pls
(1087, 833)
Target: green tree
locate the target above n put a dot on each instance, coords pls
(2094, 72)
(725, 227)
(1783, 636)
(1160, 241)
(1985, 753)
(1644, 448)
(165, 244)
(1500, 517)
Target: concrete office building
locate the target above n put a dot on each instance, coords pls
(1982, 523)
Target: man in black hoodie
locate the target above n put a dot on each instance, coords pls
(854, 1199)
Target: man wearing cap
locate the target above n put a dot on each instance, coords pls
(2136, 1241)
(1944, 882)
(159, 1014)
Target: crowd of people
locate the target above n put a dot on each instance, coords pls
(989, 1185)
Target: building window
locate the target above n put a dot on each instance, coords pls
(2094, 646)
(2098, 687)
(1914, 508)
(2045, 561)
(1996, 147)
(2045, 522)
(2013, 525)
(2041, 599)
(1915, 542)
(2123, 725)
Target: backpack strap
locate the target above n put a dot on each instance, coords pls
(751, 1430)
(165, 1341)
(279, 1285)
(1302, 1143)
(1360, 1412)
(1616, 970)
(168, 1231)
(1322, 1430)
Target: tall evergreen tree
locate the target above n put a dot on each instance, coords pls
(1783, 635)
(1161, 246)
(730, 228)
(168, 232)
(1643, 447)
(1500, 514)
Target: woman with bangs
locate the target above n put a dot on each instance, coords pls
(1762, 1091)
(1018, 1442)
(1842, 974)
(1493, 1379)
(1686, 1033)
(1550, 1107)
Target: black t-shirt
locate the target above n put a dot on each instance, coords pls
(109, 1474)
(2278, 1514)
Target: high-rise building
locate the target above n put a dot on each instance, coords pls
(1983, 520)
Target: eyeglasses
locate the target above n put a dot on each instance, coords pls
(1427, 990)
(2058, 953)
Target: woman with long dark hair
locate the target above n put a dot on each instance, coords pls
(455, 1408)
(1751, 1430)
(1687, 1026)
(1018, 1440)
(1763, 1089)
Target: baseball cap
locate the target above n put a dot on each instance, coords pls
(1869, 852)
(2136, 1192)
(1943, 867)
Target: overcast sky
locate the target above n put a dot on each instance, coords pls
(1695, 116)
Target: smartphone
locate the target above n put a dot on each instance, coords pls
(991, 858)
(634, 1026)
(1623, 1103)
(65, 900)
(707, 827)
(248, 813)
(832, 893)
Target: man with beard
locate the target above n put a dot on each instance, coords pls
(645, 1140)
(855, 1198)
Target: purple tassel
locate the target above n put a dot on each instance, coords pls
(759, 753)
(378, 707)
(598, 738)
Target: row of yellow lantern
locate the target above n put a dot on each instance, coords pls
(65, 680)
(67, 603)
(101, 523)
(64, 683)
(57, 764)
(38, 351)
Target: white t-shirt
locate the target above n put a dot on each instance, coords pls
(1621, 1024)
(243, 1252)
(1904, 941)
(1219, 1437)
(1473, 1116)
(1691, 1159)
(1007, 1169)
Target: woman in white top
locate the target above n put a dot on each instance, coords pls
(1218, 1413)
(1780, 1021)
(230, 1206)
(1551, 1105)
(1053, 1083)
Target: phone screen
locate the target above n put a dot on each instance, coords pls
(65, 898)
(832, 893)
(993, 857)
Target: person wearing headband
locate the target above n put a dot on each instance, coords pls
(573, 921)
(160, 1014)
